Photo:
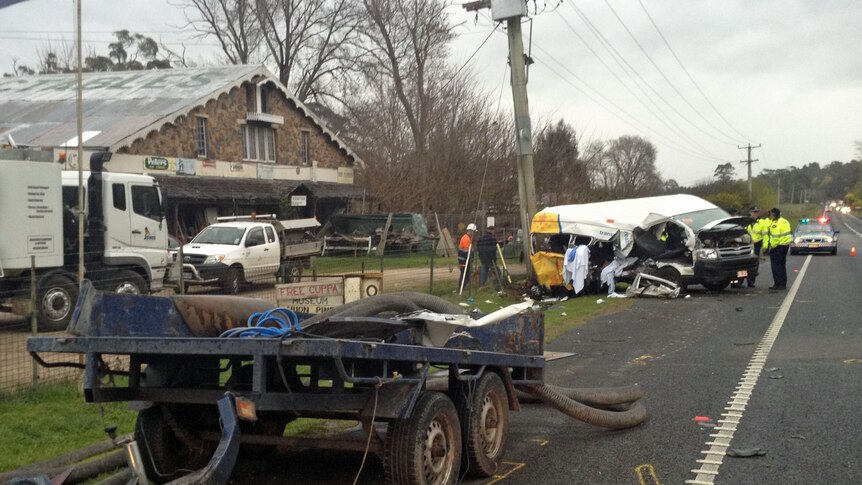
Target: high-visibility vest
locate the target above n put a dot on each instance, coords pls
(780, 233)
(759, 229)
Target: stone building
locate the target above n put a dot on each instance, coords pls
(219, 140)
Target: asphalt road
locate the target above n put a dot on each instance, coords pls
(802, 349)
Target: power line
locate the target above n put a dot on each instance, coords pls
(667, 79)
(690, 78)
(664, 118)
(630, 70)
(634, 121)
(64, 39)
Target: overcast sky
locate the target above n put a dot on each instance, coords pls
(786, 74)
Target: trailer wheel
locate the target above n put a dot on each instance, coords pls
(129, 282)
(426, 447)
(57, 295)
(484, 416)
(164, 454)
(233, 281)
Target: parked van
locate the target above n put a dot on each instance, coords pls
(681, 238)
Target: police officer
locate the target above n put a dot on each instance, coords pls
(779, 237)
(758, 229)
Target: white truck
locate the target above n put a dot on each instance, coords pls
(250, 249)
(125, 244)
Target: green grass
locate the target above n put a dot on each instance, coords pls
(50, 420)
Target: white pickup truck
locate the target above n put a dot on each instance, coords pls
(236, 250)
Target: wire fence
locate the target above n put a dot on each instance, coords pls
(44, 309)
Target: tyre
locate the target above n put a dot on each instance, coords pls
(57, 295)
(165, 455)
(426, 447)
(671, 274)
(128, 282)
(834, 251)
(484, 418)
(293, 274)
(716, 285)
(233, 281)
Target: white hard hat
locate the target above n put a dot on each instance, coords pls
(471, 227)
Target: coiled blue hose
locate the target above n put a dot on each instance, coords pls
(274, 323)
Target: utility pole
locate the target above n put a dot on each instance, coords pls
(511, 11)
(749, 161)
(79, 114)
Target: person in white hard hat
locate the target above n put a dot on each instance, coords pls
(463, 250)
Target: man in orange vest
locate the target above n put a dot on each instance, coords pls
(463, 253)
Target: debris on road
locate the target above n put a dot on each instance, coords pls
(745, 452)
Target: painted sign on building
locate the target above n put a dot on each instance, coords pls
(298, 200)
(156, 163)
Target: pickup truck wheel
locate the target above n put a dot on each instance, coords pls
(426, 447)
(57, 295)
(484, 416)
(232, 282)
(129, 282)
(294, 272)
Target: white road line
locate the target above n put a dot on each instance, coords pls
(716, 449)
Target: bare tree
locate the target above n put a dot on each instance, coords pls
(232, 22)
(625, 167)
(56, 57)
(310, 42)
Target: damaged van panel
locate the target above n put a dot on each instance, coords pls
(681, 238)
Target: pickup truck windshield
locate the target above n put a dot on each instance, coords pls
(220, 235)
(697, 219)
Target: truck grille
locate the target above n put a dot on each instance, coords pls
(736, 251)
(194, 258)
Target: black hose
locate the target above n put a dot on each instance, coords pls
(597, 397)
(634, 416)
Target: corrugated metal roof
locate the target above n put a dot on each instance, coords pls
(39, 111)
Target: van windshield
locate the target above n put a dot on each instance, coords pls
(697, 219)
(220, 235)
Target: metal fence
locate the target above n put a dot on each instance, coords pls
(399, 269)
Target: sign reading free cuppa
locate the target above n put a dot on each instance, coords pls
(310, 297)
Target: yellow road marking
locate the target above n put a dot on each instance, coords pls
(541, 442)
(514, 467)
(853, 361)
(646, 475)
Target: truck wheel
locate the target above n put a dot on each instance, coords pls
(164, 454)
(426, 447)
(233, 281)
(129, 282)
(484, 417)
(57, 295)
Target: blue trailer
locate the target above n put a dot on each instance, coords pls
(182, 366)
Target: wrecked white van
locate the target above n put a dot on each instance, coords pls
(681, 238)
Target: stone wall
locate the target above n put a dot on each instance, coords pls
(226, 117)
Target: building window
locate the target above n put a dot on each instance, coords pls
(304, 149)
(202, 136)
(258, 143)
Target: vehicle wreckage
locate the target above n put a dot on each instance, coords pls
(681, 239)
(211, 373)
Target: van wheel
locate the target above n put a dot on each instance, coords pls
(716, 286)
(57, 295)
(671, 274)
